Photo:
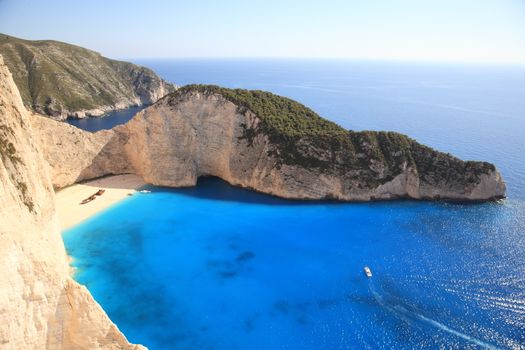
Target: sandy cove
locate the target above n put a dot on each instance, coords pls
(117, 188)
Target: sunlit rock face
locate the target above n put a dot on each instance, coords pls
(210, 131)
(41, 307)
(200, 132)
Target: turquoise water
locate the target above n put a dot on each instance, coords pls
(216, 267)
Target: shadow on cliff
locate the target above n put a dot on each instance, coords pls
(110, 160)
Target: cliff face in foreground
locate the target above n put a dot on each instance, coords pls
(61, 80)
(267, 143)
(41, 307)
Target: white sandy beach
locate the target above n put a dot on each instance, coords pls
(71, 212)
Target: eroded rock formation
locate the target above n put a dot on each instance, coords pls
(210, 131)
(41, 307)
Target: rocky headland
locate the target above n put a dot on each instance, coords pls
(62, 80)
(267, 143)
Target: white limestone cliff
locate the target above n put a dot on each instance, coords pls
(176, 141)
(173, 143)
(41, 307)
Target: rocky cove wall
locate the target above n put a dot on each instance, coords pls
(173, 145)
(144, 95)
(41, 307)
(74, 155)
(174, 142)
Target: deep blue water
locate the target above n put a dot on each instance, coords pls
(215, 267)
(107, 121)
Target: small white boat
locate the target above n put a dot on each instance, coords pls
(368, 272)
(145, 191)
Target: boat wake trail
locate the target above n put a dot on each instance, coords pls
(410, 316)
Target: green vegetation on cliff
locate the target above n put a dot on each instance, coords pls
(283, 115)
(59, 79)
(302, 137)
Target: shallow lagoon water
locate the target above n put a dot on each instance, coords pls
(217, 267)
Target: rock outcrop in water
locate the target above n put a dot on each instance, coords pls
(62, 80)
(268, 143)
(41, 307)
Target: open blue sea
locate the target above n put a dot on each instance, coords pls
(217, 267)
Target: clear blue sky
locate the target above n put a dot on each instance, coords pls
(437, 30)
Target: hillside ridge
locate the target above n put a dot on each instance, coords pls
(61, 80)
